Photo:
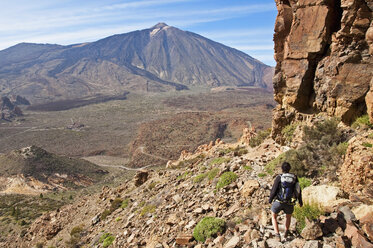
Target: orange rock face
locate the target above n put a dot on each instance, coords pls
(357, 170)
(323, 50)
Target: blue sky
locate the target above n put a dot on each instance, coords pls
(243, 24)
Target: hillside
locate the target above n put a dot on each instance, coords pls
(33, 170)
(161, 58)
(230, 182)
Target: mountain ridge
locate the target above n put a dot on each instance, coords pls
(160, 58)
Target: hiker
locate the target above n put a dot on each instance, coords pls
(285, 192)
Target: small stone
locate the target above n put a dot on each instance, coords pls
(232, 242)
(177, 198)
(312, 244)
(198, 211)
(183, 239)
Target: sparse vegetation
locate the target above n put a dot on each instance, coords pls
(212, 173)
(219, 161)
(106, 239)
(240, 151)
(288, 131)
(262, 174)
(304, 182)
(75, 236)
(247, 167)
(125, 203)
(184, 175)
(208, 227)
(152, 185)
(309, 211)
(366, 144)
(147, 209)
(199, 178)
(362, 122)
(226, 178)
(259, 138)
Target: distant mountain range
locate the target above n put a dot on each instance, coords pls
(160, 58)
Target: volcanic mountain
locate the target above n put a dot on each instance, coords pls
(160, 58)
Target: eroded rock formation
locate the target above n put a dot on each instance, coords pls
(323, 50)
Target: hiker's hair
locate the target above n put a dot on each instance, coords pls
(285, 167)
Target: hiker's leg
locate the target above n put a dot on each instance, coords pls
(274, 222)
(287, 222)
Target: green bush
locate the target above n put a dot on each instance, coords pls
(76, 230)
(106, 239)
(212, 173)
(339, 149)
(304, 182)
(294, 157)
(105, 214)
(288, 131)
(152, 185)
(262, 174)
(225, 179)
(362, 122)
(147, 209)
(125, 203)
(240, 151)
(199, 178)
(208, 227)
(219, 161)
(247, 167)
(309, 211)
(223, 152)
(184, 175)
(259, 138)
(366, 144)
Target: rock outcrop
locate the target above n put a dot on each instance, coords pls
(324, 60)
(9, 108)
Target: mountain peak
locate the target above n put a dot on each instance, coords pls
(160, 25)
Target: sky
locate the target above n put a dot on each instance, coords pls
(246, 25)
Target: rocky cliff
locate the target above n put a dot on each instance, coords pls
(323, 50)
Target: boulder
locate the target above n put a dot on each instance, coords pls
(311, 231)
(323, 195)
(141, 177)
(356, 236)
(249, 188)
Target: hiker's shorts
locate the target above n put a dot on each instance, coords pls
(278, 206)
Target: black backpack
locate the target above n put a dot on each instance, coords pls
(287, 188)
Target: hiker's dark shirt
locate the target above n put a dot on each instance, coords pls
(276, 187)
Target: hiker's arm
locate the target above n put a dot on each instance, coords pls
(300, 194)
(274, 189)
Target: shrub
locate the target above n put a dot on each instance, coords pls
(152, 185)
(219, 161)
(240, 152)
(309, 211)
(304, 182)
(247, 167)
(262, 174)
(199, 178)
(115, 204)
(366, 144)
(225, 179)
(125, 203)
(288, 131)
(184, 175)
(259, 138)
(212, 173)
(208, 227)
(118, 219)
(76, 230)
(106, 239)
(105, 214)
(362, 122)
(225, 151)
(147, 209)
(40, 245)
(339, 149)
(294, 157)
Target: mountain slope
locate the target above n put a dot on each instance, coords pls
(32, 170)
(160, 58)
